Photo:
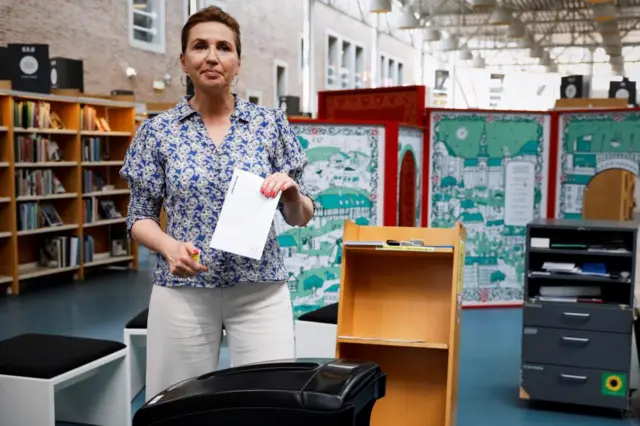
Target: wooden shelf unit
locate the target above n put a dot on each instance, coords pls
(400, 307)
(20, 245)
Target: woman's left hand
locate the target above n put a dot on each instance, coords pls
(280, 182)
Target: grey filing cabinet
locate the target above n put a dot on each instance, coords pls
(578, 328)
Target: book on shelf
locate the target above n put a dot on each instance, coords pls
(90, 121)
(36, 149)
(60, 252)
(95, 210)
(37, 182)
(35, 114)
(92, 181)
(88, 249)
(32, 216)
(93, 149)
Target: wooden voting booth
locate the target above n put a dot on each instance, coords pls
(400, 307)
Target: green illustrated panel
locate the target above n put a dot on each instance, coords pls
(589, 144)
(410, 142)
(490, 172)
(345, 177)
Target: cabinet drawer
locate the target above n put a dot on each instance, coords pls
(589, 349)
(570, 385)
(579, 316)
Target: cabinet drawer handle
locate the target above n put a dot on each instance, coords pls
(576, 315)
(572, 377)
(575, 339)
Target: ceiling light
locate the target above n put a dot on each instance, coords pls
(380, 6)
(500, 16)
(608, 27)
(545, 61)
(431, 34)
(613, 50)
(448, 44)
(616, 60)
(465, 55)
(604, 12)
(535, 52)
(516, 29)
(526, 42)
(408, 20)
(478, 62)
(611, 40)
(481, 4)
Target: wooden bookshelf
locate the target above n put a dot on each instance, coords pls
(63, 154)
(400, 307)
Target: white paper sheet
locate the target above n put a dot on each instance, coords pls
(245, 218)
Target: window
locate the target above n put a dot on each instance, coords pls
(254, 97)
(391, 71)
(147, 24)
(281, 82)
(195, 5)
(345, 64)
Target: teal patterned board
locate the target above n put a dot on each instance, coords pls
(490, 172)
(589, 144)
(345, 175)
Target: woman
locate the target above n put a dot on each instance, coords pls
(183, 159)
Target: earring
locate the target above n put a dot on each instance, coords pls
(237, 79)
(183, 79)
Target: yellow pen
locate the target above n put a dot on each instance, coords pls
(196, 255)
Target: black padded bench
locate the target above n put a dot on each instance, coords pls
(46, 378)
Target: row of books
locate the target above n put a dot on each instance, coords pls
(89, 120)
(36, 148)
(93, 149)
(37, 182)
(35, 114)
(95, 210)
(92, 181)
(61, 252)
(35, 216)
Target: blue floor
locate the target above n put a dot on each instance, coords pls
(489, 363)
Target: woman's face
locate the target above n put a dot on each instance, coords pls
(211, 58)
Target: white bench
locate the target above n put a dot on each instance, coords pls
(316, 333)
(47, 378)
(135, 338)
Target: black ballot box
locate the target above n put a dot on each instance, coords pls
(29, 67)
(303, 392)
(67, 73)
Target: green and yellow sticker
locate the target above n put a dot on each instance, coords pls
(614, 384)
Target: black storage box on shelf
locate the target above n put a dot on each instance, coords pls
(575, 87)
(29, 67)
(624, 89)
(313, 392)
(5, 74)
(67, 74)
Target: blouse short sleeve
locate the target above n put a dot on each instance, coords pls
(144, 173)
(290, 157)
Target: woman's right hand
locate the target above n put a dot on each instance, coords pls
(179, 255)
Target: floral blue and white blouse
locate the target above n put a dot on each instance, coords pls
(172, 162)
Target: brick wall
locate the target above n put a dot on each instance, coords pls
(96, 31)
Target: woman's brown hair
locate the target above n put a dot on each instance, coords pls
(211, 14)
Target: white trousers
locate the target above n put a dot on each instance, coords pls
(184, 329)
